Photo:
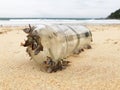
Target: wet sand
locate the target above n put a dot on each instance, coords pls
(94, 69)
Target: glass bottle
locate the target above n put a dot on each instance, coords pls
(57, 41)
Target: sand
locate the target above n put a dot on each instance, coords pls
(94, 69)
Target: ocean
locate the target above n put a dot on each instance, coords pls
(26, 21)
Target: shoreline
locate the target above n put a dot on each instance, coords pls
(92, 27)
(24, 22)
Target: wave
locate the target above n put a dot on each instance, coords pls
(41, 21)
(24, 19)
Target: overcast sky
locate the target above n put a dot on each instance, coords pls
(58, 8)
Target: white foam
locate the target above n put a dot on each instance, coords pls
(39, 21)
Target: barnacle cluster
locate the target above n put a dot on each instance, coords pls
(34, 42)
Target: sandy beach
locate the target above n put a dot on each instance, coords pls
(94, 69)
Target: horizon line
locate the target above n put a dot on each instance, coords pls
(51, 18)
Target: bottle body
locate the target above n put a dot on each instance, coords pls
(59, 41)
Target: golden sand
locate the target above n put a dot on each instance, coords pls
(95, 69)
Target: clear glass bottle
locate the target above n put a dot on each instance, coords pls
(59, 40)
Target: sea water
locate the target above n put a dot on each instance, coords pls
(35, 21)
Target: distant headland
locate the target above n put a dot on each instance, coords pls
(114, 15)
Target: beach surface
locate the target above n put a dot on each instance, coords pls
(94, 69)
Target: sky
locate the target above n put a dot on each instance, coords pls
(58, 8)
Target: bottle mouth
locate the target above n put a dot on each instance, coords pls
(33, 40)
